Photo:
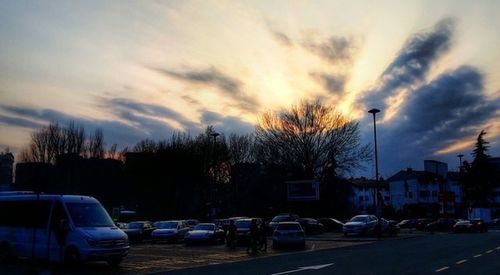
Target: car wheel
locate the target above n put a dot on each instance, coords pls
(72, 257)
(5, 253)
(115, 262)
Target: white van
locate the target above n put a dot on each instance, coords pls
(58, 228)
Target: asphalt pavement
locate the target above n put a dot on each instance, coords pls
(430, 254)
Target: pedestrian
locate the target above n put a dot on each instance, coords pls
(254, 234)
(263, 236)
(231, 235)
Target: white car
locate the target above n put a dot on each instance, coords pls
(360, 224)
(169, 231)
(289, 234)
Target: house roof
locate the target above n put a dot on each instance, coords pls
(412, 174)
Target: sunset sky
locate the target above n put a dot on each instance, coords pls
(143, 69)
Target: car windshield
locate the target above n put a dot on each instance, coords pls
(135, 225)
(208, 227)
(358, 219)
(288, 227)
(89, 215)
(167, 225)
(243, 223)
(281, 218)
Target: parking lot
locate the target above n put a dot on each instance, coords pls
(147, 257)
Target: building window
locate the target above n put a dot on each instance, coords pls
(424, 194)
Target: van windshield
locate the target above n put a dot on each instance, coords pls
(89, 215)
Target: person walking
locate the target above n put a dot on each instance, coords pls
(254, 232)
(231, 235)
(263, 236)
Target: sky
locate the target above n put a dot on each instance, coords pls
(144, 69)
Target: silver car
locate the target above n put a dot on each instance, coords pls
(289, 234)
(360, 224)
(169, 231)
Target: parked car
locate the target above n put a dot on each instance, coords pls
(192, 223)
(461, 226)
(311, 226)
(389, 227)
(411, 223)
(138, 230)
(331, 224)
(169, 231)
(289, 234)
(478, 225)
(204, 233)
(422, 224)
(442, 225)
(243, 229)
(281, 218)
(360, 224)
(224, 223)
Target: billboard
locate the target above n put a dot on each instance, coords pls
(302, 190)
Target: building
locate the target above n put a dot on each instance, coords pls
(433, 189)
(6, 171)
(364, 191)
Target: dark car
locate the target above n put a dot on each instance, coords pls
(389, 227)
(243, 229)
(192, 223)
(411, 223)
(281, 218)
(422, 224)
(331, 224)
(478, 225)
(311, 226)
(138, 230)
(461, 226)
(442, 225)
(204, 233)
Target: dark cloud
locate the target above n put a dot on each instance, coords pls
(282, 38)
(229, 86)
(114, 131)
(190, 100)
(226, 124)
(412, 63)
(18, 122)
(123, 106)
(337, 49)
(448, 109)
(334, 83)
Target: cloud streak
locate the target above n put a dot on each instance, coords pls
(336, 50)
(227, 85)
(412, 63)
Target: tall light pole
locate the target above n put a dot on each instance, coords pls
(460, 156)
(374, 112)
(213, 188)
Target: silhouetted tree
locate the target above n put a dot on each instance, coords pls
(312, 138)
(480, 177)
(96, 145)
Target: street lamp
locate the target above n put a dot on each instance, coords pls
(374, 112)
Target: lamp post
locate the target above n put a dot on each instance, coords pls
(374, 112)
(460, 156)
(213, 189)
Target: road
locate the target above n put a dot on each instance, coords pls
(431, 254)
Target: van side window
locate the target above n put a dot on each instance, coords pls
(29, 214)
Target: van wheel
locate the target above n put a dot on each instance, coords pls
(72, 257)
(115, 262)
(5, 253)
